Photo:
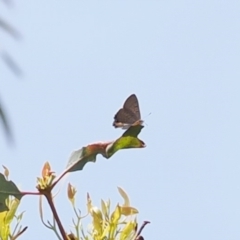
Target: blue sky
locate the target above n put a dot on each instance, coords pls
(81, 60)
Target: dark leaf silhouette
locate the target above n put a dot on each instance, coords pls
(9, 29)
(7, 188)
(5, 123)
(11, 63)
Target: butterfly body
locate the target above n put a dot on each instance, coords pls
(129, 115)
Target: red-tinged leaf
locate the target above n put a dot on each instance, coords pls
(7, 188)
(129, 139)
(46, 170)
(79, 158)
(71, 191)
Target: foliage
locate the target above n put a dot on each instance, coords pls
(106, 224)
(13, 66)
(8, 207)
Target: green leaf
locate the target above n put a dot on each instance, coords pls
(7, 188)
(11, 213)
(128, 231)
(116, 215)
(133, 131)
(129, 139)
(4, 228)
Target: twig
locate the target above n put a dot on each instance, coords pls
(54, 211)
(59, 178)
(31, 193)
(19, 233)
(139, 237)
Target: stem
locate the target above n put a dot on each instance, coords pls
(31, 193)
(59, 178)
(19, 233)
(60, 226)
(141, 228)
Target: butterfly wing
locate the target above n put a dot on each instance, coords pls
(123, 118)
(131, 105)
(129, 115)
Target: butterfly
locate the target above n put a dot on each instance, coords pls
(129, 115)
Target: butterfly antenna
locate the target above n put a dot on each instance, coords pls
(147, 116)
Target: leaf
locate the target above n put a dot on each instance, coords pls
(133, 131)
(6, 217)
(128, 211)
(12, 211)
(9, 29)
(4, 228)
(127, 140)
(7, 2)
(128, 230)
(46, 170)
(124, 196)
(71, 236)
(5, 124)
(89, 203)
(116, 215)
(6, 172)
(80, 157)
(104, 208)
(97, 220)
(71, 193)
(7, 188)
(11, 63)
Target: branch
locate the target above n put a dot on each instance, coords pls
(139, 237)
(19, 233)
(54, 211)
